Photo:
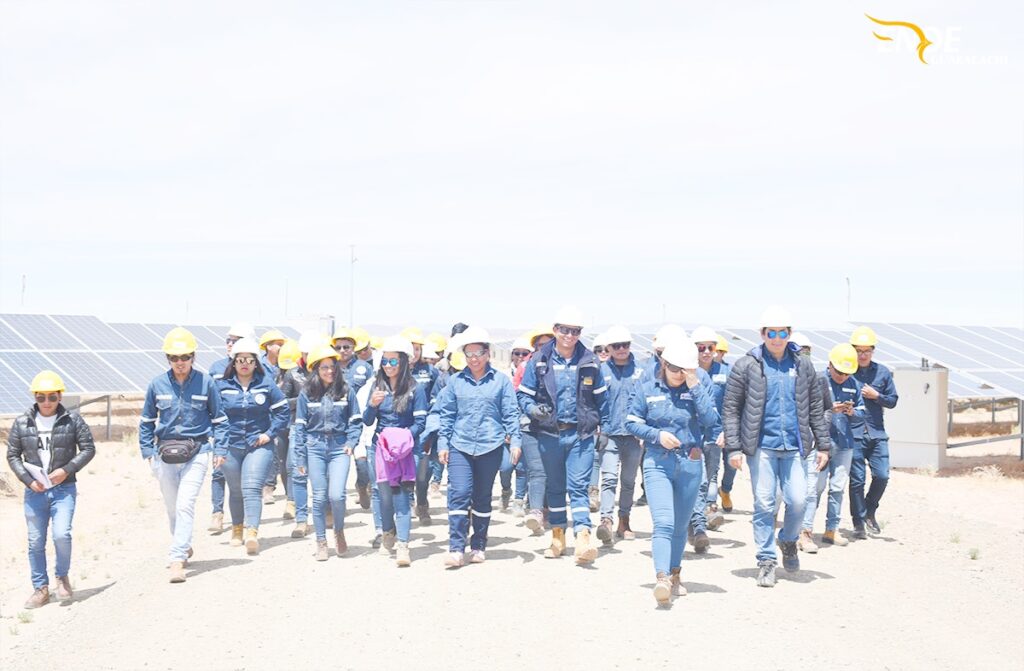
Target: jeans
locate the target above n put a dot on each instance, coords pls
(728, 476)
(506, 471)
(56, 507)
(620, 453)
(280, 465)
(770, 469)
(245, 471)
(873, 452)
(362, 473)
(673, 481)
(422, 478)
(712, 455)
(436, 468)
(180, 485)
(217, 490)
(568, 463)
(298, 492)
(396, 508)
(837, 474)
(536, 478)
(328, 467)
(470, 481)
(371, 471)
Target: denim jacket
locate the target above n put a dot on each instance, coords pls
(326, 420)
(477, 416)
(685, 413)
(189, 410)
(262, 408)
(414, 418)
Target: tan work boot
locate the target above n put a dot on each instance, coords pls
(557, 543)
(40, 597)
(364, 496)
(252, 541)
(236, 535)
(726, 500)
(663, 590)
(594, 494)
(321, 551)
(289, 511)
(216, 523)
(423, 513)
(300, 530)
(387, 543)
(177, 571)
(604, 531)
(402, 557)
(833, 538)
(64, 593)
(340, 544)
(268, 495)
(678, 589)
(806, 543)
(624, 532)
(585, 550)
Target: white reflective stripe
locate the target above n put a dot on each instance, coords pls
(477, 513)
(300, 421)
(198, 397)
(585, 509)
(458, 512)
(419, 413)
(634, 418)
(601, 390)
(356, 420)
(164, 397)
(849, 391)
(232, 392)
(222, 418)
(313, 405)
(559, 510)
(218, 376)
(283, 401)
(526, 390)
(652, 399)
(149, 420)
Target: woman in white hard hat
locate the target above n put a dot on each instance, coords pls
(327, 427)
(671, 413)
(478, 415)
(257, 412)
(46, 448)
(396, 402)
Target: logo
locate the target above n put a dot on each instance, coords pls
(260, 399)
(588, 381)
(922, 44)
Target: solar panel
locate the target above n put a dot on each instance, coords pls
(205, 337)
(11, 340)
(1014, 356)
(92, 372)
(27, 364)
(138, 335)
(139, 367)
(951, 338)
(161, 330)
(42, 332)
(205, 358)
(1008, 382)
(95, 334)
(1015, 333)
(14, 394)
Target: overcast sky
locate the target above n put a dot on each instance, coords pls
(213, 161)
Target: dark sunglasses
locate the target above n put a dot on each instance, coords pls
(599, 350)
(619, 345)
(389, 362)
(175, 358)
(245, 361)
(705, 348)
(232, 341)
(475, 354)
(329, 367)
(520, 352)
(569, 330)
(781, 333)
(52, 398)
(672, 368)
(338, 348)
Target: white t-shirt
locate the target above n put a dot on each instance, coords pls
(44, 428)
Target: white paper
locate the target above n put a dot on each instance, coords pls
(39, 474)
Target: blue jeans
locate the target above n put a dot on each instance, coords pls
(836, 474)
(422, 477)
(621, 453)
(673, 481)
(712, 455)
(436, 468)
(728, 476)
(770, 469)
(245, 471)
(873, 453)
(507, 469)
(217, 490)
(392, 506)
(371, 471)
(55, 506)
(568, 463)
(280, 465)
(470, 481)
(328, 466)
(298, 491)
(179, 486)
(536, 478)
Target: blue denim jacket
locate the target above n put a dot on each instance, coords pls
(218, 367)
(189, 410)
(262, 408)
(414, 418)
(872, 425)
(334, 422)
(477, 416)
(426, 375)
(840, 424)
(622, 381)
(780, 429)
(685, 413)
(719, 375)
(358, 373)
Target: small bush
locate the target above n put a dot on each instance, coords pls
(954, 537)
(974, 553)
(25, 616)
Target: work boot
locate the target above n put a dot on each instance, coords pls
(595, 498)
(188, 555)
(518, 508)
(585, 550)
(506, 496)
(833, 538)
(300, 530)
(289, 511)
(252, 541)
(423, 513)
(321, 551)
(859, 532)
(624, 532)
(726, 500)
(604, 531)
(375, 543)
(177, 571)
(714, 516)
(701, 542)
(872, 525)
(766, 573)
(535, 522)
(557, 543)
(236, 535)
(402, 557)
(216, 523)
(678, 589)
(387, 543)
(340, 544)
(806, 542)
(663, 589)
(642, 501)
(790, 559)
(364, 496)
(268, 494)
(40, 597)
(64, 593)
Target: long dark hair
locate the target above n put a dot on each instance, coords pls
(257, 371)
(315, 389)
(404, 387)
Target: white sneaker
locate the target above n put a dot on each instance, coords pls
(453, 560)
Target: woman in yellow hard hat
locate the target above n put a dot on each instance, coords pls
(271, 343)
(46, 448)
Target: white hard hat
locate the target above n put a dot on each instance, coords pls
(454, 344)
(668, 333)
(246, 346)
(570, 316)
(474, 334)
(429, 352)
(522, 342)
(704, 334)
(397, 343)
(242, 330)
(776, 315)
(309, 340)
(799, 339)
(617, 334)
(681, 352)
(601, 339)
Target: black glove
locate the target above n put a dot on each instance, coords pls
(540, 412)
(602, 442)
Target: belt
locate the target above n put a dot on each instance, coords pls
(565, 426)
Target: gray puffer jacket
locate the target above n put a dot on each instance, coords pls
(745, 395)
(71, 444)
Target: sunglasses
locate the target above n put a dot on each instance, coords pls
(619, 345)
(520, 352)
(672, 368)
(52, 398)
(389, 362)
(781, 333)
(599, 350)
(864, 350)
(705, 348)
(245, 360)
(569, 330)
(338, 348)
(175, 358)
(475, 354)
(327, 368)
(232, 341)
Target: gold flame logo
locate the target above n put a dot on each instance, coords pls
(922, 43)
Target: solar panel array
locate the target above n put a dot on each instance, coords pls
(92, 356)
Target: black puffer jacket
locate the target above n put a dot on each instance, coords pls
(71, 444)
(743, 407)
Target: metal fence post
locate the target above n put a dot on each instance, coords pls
(108, 417)
(949, 428)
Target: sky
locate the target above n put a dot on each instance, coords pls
(491, 161)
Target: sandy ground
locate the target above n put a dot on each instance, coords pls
(913, 598)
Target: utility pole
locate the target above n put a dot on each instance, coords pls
(848, 292)
(352, 286)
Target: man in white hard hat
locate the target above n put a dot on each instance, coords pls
(774, 414)
(565, 395)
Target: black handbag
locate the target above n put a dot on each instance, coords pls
(178, 450)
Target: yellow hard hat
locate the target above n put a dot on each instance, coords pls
(540, 331)
(413, 335)
(179, 341)
(362, 337)
(437, 341)
(289, 355)
(843, 358)
(457, 360)
(723, 345)
(343, 332)
(356, 335)
(319, 354)
(46, 381)
(270, 336)
(376, 342)
(863, 336)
